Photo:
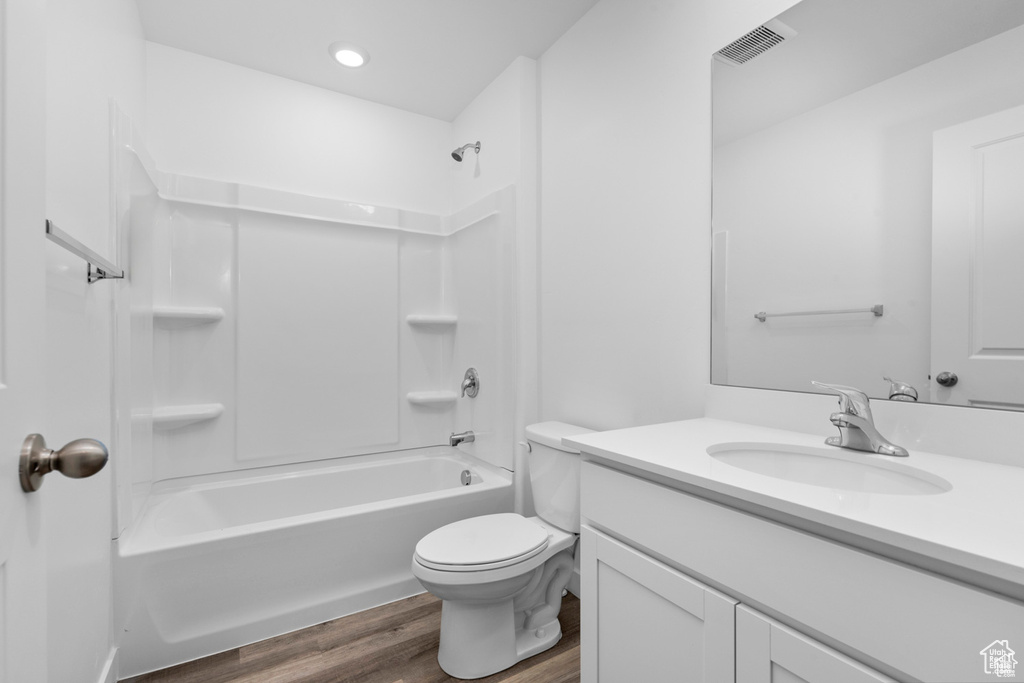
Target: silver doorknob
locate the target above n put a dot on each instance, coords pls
(78, 459)
(947, 379)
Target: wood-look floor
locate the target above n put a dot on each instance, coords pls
(396, 643)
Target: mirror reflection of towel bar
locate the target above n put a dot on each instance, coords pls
(877, 309)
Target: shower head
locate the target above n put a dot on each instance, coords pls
(461, 151)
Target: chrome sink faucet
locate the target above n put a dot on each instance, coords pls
(856, 425)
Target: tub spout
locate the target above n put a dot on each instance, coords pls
(462, 437)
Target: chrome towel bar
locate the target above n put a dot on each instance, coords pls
(99, 267)
(877, 309)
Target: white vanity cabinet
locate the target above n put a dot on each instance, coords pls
(768, 652)
(645, 621)
(661, 566)
(649, 622)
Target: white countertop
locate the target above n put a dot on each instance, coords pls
(977, 526)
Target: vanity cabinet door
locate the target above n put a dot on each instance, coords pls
(644, 621)
(768, 652)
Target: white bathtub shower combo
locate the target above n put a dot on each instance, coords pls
(296, 366)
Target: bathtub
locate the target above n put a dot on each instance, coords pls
(217, 562)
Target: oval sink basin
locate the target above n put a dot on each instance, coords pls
(829, 468)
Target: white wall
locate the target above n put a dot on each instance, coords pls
(860, 230)
(625, 197)
(95, 52)
(503, 118)
(211, 119)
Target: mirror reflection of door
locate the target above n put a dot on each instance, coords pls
(977, 254)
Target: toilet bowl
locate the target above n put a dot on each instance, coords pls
(501, 577)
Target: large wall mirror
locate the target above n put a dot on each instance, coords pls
(868, 210)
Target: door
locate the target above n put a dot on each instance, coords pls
(644, 621)
(23, 652)
(977, 248)
(768, 652)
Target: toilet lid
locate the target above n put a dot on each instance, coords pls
(482, 542)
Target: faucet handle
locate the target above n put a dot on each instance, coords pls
(851, 399)
(900, 390)
(471, 383)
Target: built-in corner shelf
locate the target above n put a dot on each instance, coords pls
(172, 417)
(431, 398)
(431, 320)
(186, 316)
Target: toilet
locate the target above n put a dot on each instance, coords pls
(501, 577)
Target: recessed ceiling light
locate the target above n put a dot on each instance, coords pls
(348, 54)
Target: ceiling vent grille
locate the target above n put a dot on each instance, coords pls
(755, 43)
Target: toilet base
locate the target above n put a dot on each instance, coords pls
(530, 642)
(478, 640)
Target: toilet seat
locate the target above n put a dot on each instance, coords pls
(482, 543)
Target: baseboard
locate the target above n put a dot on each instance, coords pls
(109, 672)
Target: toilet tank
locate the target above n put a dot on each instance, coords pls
(555, 474)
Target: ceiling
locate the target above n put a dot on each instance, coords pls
(431, 57)
(843, 46)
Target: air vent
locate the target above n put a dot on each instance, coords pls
(755, 43)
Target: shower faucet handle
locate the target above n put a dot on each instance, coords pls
(471, 383)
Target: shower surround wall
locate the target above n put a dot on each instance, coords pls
(290, 328)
